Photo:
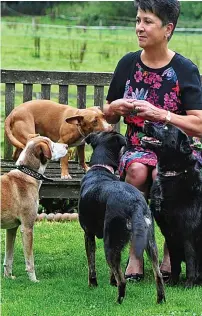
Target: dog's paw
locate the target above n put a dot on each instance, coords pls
(189, 284)
(86, 169)
(36, 281)
(32, 276)
(10, 276)
(66, 177)
(93, 282)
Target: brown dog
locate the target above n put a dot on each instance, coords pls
(61, 123)
(20, 198)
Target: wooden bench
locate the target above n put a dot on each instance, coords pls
(68, 189)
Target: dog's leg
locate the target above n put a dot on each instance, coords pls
(16, 154)
(113, 258)
(64, 168)
(191, 264)
(90, 252)
(152, 253)
(81, 156)
(175, 255)
(27, 239)
(9, 247)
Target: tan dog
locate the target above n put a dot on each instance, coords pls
(20, 198)
(61, 123)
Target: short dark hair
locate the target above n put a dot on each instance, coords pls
(167, 11)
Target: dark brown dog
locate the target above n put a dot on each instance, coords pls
(61, 123)
(115, 211)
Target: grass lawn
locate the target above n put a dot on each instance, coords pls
(61, 267)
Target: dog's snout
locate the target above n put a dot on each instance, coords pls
(110, 128)
(107, 127)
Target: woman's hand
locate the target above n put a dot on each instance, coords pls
(122, 107)
(147, 111)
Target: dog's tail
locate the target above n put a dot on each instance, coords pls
(140, 227)
(9, 134)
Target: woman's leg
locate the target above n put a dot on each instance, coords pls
(165, 264)
(137, 175)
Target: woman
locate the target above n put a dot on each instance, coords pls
(155, 84)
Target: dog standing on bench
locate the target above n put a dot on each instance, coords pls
(112, 210)
(176, 199)
(20, 198)
(61, 123)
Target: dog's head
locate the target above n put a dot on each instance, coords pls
(170, 144)
(39, 150)
(107, 148)
(90, 120)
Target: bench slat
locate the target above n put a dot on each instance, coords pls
(60, 189)
(99, 96)
(63, 94)
(27, 92)
(9, 106)
(45, 91)
(81, 96)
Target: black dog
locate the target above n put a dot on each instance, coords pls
(107, 209)
(176, 199)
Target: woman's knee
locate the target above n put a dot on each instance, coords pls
(137, 174)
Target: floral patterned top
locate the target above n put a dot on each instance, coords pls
(175, 87)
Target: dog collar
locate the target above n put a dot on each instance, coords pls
(32, 173)
(171, 173)
(104, 166)
(80, 131)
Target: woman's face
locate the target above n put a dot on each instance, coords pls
(149, 29)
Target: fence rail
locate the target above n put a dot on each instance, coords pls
(96, 27)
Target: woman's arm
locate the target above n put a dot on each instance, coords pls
(190, 123)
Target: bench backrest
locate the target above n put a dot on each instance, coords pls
(47, 78)
(28, 78)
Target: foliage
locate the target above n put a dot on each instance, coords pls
(193, 8)
(95, 12)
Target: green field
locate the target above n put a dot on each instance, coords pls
(61, 267)
(79, 49)
(59, 247)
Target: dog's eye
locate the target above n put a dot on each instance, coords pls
(95, 121)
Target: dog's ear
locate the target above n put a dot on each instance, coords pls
(43, 152)
(122, 140)
(185, 146)
(91, 139)
(76, 120)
